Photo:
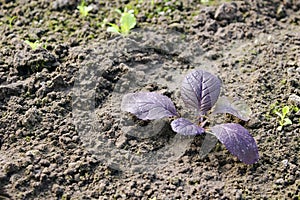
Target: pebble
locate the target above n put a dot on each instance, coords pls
(285, 162)
(169, 77)
(254, 124)
(69, 171)
(239, 194)
(45, 163)
(72, 165)
(279, 181)
(57, 189)
(121, 141)
(226, 11)
(294, 99)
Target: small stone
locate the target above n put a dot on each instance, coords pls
(290, 70)
(58, 81)
(291, 179)
(285, 162)
(14, 178)
(294, 99)
(31, 117)
(238, 194)
(226, 11)
(281, 13)
(46, 171)
(291, 62)
(279, 181)
(30, 154)
(254, 124)
(121, 141)
(169, 77)
(211, 25)
(72, 165)
(10, 168)
(57, 189)
(45, 163)
(176, 26)
(69, 171)
(140, 75)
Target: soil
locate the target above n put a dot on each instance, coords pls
(63, 135)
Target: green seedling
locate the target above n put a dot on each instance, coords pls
(36, 44)
(33, 45)
(127, 22)
(83, 9)
(152, 3)
(283, 113)
(10, 20)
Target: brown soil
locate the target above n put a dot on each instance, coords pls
(63, 136)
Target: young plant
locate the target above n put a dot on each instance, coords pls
(200, 91)
(10, 21)
(33, 45)
(127, 22)
(83, 9)
(283, 116)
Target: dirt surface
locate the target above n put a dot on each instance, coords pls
(63, 136)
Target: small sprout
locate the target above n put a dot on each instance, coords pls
(83, 9)
(33, 45)
(27, 138)
(127, 22)
(10, 21)
(152, 3)
(200, 91)
(282, 113)
(283, 81)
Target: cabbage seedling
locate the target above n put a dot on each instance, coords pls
(283, 117)
(33, 45)
(10, 21)
(127, 22)
(200, 91)
(83, 9)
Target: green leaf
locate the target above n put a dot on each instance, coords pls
(131, 11)
(127, 22)
(114, 28)
(287, 121)
(118, 11)
(285, 110)
(114, 25)
(295, 108)
(33, 45)
(84, 10)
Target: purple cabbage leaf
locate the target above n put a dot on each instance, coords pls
(236, 108)
(200, 91)
(186, 127)
(238, 141)
(148, 105)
